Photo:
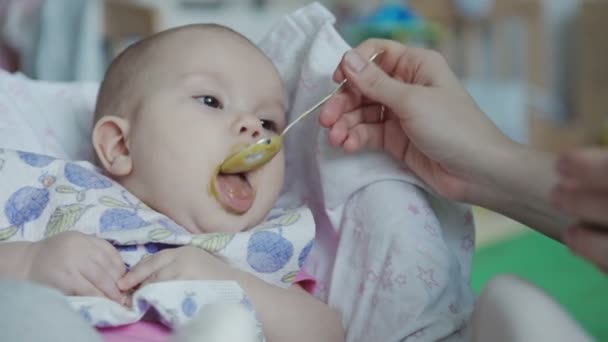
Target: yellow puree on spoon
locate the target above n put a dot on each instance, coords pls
(229, 183)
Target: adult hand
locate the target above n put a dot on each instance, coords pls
(77, 264)
(429, 121)
(582, 192)
(183, 263)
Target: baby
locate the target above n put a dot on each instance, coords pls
(171, 108)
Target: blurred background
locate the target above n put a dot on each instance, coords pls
(538, 68)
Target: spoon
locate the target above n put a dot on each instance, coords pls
(259, 153)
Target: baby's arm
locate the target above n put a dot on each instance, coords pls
(286, 314)
(14, 260)
(403, 265)
(291, 314)
(72, 262)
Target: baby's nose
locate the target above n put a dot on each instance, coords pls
(250, 126)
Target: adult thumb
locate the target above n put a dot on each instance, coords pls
(368, 78)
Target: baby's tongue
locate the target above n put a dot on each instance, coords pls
(235, 193)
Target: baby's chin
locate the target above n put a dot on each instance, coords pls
(224, 222)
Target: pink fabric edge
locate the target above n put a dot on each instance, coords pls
(137, 332)
(306, 281)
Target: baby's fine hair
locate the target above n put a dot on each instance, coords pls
(119, 86)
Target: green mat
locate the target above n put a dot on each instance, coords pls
(578, 286)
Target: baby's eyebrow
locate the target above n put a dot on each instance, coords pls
(202, 76)
(273, 101)
(279, 104)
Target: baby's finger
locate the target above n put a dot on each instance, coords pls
(165, 273)
(111, 258)
(586, 168)
(365, 136)
(143, 270)
(591, 244)
(110, 274)
(99, 278)
(588, 205)
(138, 273)
(81, 286)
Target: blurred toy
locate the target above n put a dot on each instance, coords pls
(395, 21)
(474, 9)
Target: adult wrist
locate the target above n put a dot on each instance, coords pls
(488, 184)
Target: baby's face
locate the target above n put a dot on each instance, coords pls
(206, 96)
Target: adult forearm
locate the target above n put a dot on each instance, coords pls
(290, 314)
(14, 260)
(516, 181)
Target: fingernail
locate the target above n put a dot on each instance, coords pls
(125, 300)
(354, 61)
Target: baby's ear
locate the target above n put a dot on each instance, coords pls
(110, 142)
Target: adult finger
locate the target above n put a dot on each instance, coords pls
(343, 102)
(411, 65)
(367, 114)
(395, 140)
(589, 243)
(376, 85)
(365, 136)
(586, 204)
(387, 135)
(333, 109)
(586, 168)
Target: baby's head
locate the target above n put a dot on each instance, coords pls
(173, 106)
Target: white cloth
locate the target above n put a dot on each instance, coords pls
(42, 197)
(49, 118)
(391, 257)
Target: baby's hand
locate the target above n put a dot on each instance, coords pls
(77, 264)
(183, 263)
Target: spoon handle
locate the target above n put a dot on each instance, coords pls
(303, 115)
(337, 89)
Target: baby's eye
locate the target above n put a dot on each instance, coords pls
(211, 101)
(269, 125)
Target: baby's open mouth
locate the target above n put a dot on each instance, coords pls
(234, 192)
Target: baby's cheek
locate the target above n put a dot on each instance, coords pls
(273, 181)
(280, 167)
